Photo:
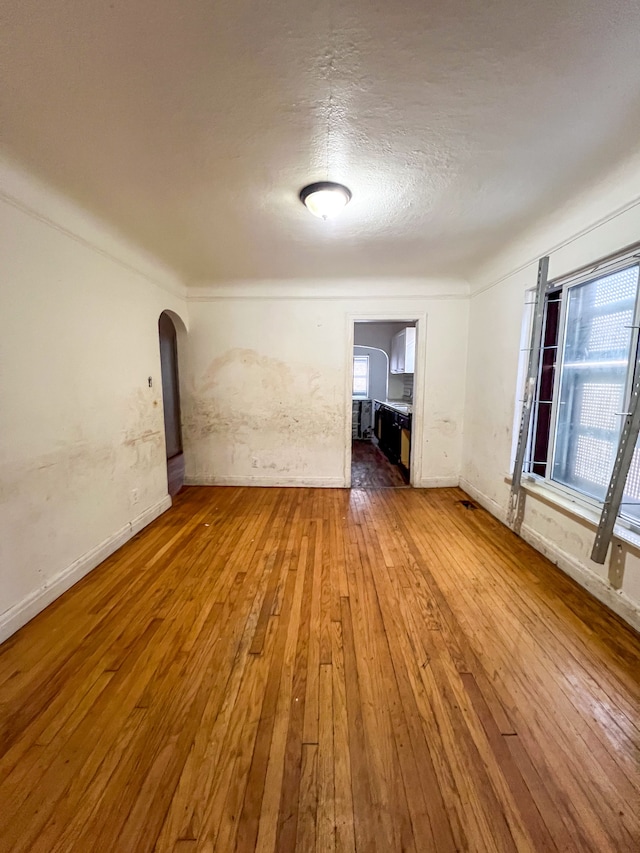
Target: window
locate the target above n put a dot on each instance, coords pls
(587, 358)
(361, 376)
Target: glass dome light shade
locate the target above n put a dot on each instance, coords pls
(325, 199)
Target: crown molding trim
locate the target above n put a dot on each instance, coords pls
(323, 290)
(174, 289)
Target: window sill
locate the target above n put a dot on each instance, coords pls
(576, 508)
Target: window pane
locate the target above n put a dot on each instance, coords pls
(360, 365)
(593, 380)
(361, 375)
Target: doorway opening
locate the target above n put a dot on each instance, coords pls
(382, 392)
(171, 402)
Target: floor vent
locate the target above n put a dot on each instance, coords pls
(468, 504)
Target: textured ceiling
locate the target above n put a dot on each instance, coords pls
(191, 125)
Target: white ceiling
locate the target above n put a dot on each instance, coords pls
(191, 125)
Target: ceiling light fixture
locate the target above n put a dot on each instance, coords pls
(325, 198)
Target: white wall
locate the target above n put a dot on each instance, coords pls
(602, 221)
(82, 458)
(268, 396)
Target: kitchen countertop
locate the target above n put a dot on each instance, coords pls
(397, 406)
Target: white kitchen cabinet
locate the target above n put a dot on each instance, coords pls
(403, 351)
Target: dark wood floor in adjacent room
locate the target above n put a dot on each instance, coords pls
(370, 468)
(321, 670)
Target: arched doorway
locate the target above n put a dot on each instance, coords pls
(171, 402)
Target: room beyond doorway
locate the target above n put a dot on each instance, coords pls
(370, 468)
(171, 402)
(383, 370)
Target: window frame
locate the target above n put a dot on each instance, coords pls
(629, 259)
(355, 395)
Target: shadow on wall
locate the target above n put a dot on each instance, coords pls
(170, 329)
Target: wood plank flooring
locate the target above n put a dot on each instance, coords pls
(321, 670)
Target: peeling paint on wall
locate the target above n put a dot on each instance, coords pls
(242, 393)
(267, 395)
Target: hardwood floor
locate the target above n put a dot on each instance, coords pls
(370, 468)
(321, 670)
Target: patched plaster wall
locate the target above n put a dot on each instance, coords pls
(268, 393)
(82, 456)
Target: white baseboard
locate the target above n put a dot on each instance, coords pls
(25, 610)
(437, 483)
(149, 515)
(303, 482)
(488, 503)
(615, 599)
(261, 480)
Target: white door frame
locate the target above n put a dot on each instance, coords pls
(417, 420)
